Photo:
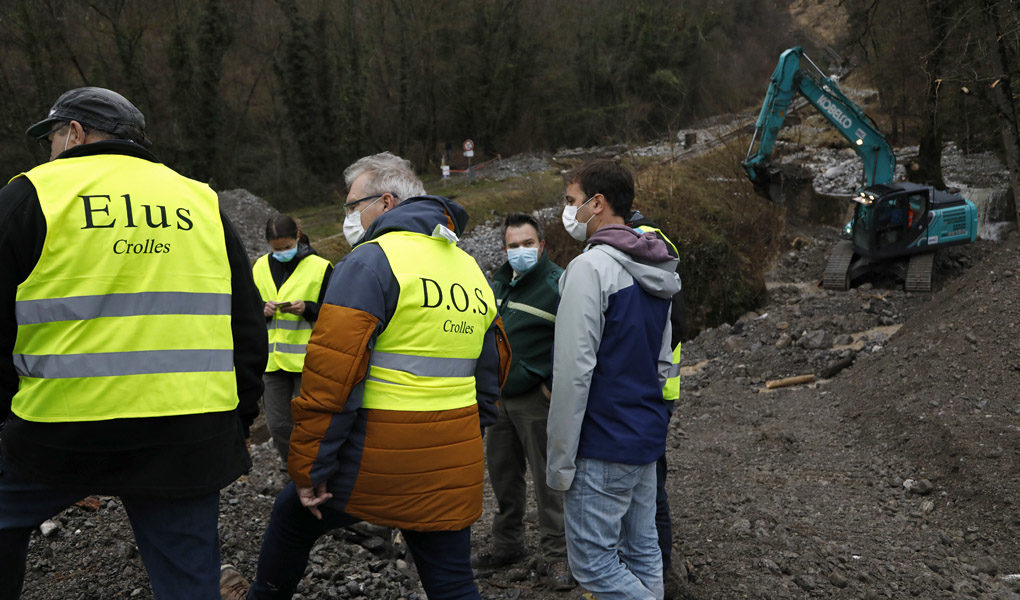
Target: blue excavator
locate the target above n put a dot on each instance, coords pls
(896, 225)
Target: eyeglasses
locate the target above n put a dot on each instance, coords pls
(349, 205)
(46, 139)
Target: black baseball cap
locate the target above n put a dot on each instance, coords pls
(97, 108)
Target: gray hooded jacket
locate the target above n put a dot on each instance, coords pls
(607, 378)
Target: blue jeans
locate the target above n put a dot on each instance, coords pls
(443, 558)
(177, 537)
(612, 545)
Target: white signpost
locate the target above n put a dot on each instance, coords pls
(469, 151)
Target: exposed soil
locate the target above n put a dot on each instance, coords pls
(896, 477)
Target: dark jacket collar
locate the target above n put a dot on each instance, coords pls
(124, 147)
(420, 214)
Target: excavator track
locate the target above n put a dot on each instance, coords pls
(919, 272)
(837, 271)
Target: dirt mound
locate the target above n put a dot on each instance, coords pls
(896, 477)
(945, 395)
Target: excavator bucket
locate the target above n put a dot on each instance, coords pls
(768, 182)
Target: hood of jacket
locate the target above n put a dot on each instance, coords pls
(431, 215)
(643, 255)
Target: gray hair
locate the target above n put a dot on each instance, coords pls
(387, 173)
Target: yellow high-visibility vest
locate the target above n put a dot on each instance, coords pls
(670, 391)
(425, 358)
(127, 312)
(289, 333)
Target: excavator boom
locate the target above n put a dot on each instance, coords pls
(791, 80)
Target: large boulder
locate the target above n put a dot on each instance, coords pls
(248, 213)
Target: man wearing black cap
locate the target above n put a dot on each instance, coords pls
(133, 345)
(86, 115)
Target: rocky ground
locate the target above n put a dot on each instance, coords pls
(894, 474)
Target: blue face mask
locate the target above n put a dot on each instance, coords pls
(285, 255)
(522, 260)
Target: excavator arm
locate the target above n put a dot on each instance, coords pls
(791, 79)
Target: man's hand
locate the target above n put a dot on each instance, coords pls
(546, 392)
(296, 307)
(312, 497)
(269, 309)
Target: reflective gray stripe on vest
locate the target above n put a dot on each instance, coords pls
(115, 364)
(424, 366)
(288, 325)
(674, 371)
(81, 308)
(377, 380)
(287, 348)
(531, 310)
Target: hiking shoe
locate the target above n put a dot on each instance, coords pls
(233, 585)
(674, 581)
(494, 559)
(558, 577)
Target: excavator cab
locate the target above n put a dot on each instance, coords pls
(889, 221)
(900, 221)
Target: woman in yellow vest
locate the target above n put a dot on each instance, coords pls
(292, 279)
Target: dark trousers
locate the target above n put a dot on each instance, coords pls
(177, 538)
(281, 388)
(516, 441)
(663, 522)
(443, 558)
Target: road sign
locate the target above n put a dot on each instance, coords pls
(468, 145)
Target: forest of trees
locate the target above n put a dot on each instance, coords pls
(277, 96)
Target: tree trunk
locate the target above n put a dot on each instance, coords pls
(1002, 96)
(929, 151)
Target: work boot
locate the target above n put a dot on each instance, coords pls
(558, 578)
(674, 582)
(233, 585)
(493, 559)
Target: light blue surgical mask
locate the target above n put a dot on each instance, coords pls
(522, 260)
(285, 255)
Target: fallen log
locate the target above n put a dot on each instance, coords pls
(788, 381)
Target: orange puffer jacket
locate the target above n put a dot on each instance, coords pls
(419, 470)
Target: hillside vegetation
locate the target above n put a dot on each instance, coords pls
(277, 96)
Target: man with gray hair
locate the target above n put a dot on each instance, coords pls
(401, 374)
(376, 184)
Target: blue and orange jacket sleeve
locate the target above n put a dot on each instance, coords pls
(491, 371)
(359, 300)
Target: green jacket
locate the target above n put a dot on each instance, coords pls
(528, 307)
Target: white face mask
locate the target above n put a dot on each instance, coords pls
(576, 229)
(353, 230)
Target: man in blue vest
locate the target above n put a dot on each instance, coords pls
(133, 345)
